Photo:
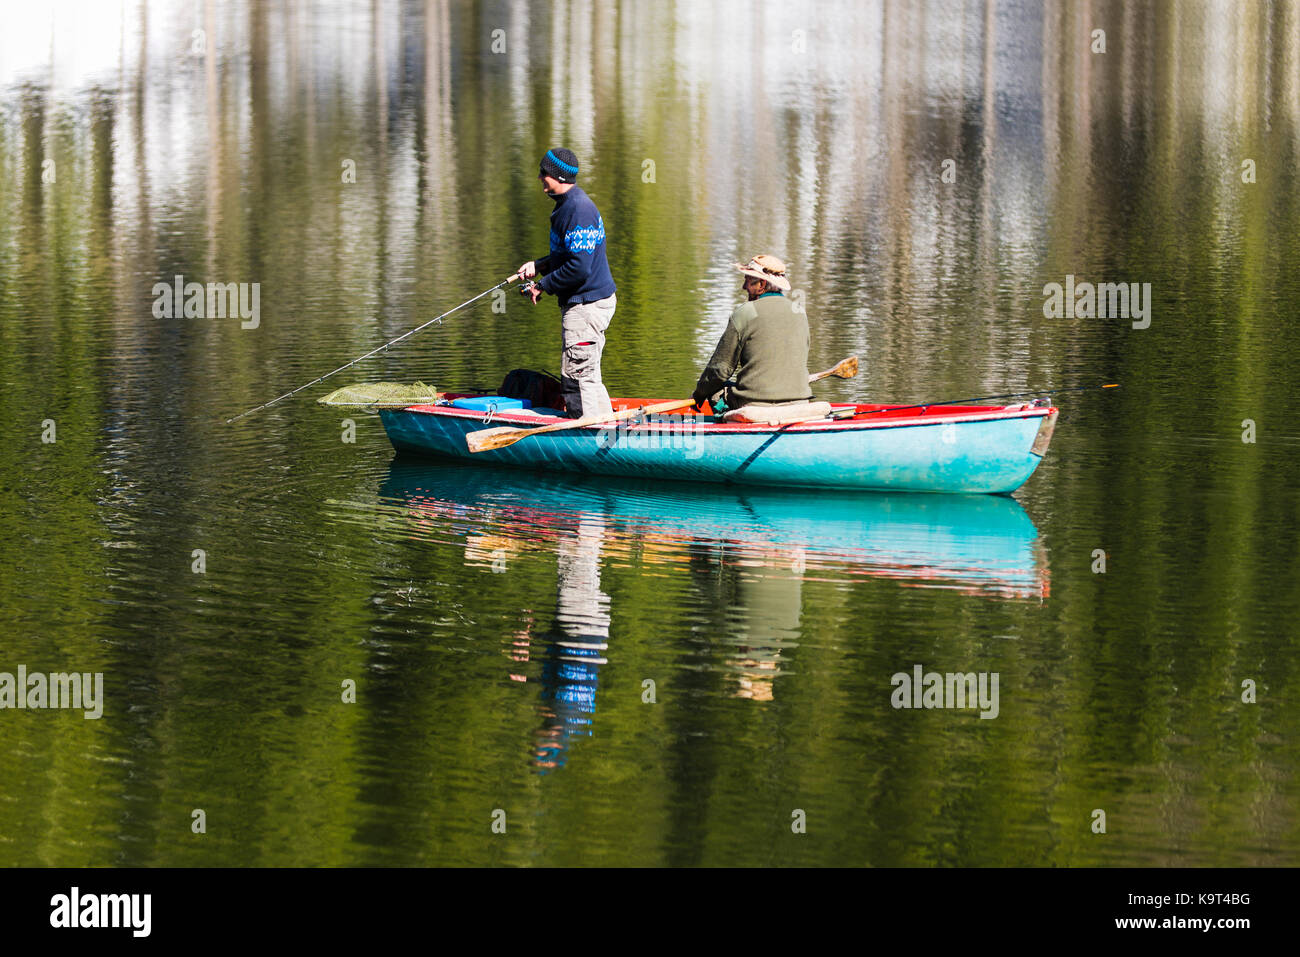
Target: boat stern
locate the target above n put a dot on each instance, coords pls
(1044, 437)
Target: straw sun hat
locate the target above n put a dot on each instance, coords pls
(768, 268)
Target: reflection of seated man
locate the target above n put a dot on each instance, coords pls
(754, 677)
(767, 613)
(753, 597)
(762, 356)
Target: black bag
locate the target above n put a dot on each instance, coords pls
(540, 388)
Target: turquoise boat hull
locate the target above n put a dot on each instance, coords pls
(969, 449)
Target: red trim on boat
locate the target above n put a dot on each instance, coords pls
(933, 415)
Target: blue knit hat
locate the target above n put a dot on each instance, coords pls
(561, 164)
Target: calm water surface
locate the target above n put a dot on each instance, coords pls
(504, 630)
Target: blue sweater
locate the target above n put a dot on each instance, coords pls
(576, 270)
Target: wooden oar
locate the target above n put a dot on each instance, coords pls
(485, 440)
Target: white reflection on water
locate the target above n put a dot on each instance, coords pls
(812, 130)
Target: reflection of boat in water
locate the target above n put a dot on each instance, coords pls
(977, 543)
(740, 559)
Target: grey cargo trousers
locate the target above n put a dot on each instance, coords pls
(583, 327)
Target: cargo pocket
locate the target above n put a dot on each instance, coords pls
(580, 360)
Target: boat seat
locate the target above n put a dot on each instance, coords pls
(778, 413)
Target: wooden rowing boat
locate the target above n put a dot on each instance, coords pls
(975, 449)
(981, 449)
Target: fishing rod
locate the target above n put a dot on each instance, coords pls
(386, 345)
(984, 398)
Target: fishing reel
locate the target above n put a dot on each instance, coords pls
(527, 288)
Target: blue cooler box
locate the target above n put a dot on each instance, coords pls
(490, 403)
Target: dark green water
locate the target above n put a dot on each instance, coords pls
(501, 628)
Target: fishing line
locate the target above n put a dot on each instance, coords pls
(385, 346)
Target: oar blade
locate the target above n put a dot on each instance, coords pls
(485, 440)
(848, 368)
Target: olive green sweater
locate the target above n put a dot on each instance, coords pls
(763, 354)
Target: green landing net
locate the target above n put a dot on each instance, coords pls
(382, 394)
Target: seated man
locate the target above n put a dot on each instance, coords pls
(763, 354)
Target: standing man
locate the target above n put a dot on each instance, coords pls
(762, 357)
(577, 274)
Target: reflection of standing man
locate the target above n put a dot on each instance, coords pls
(574, 656)
(577, 273)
